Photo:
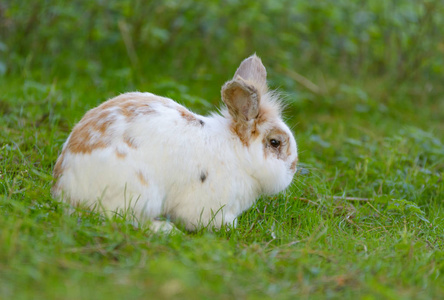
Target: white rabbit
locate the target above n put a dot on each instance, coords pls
(151, 154)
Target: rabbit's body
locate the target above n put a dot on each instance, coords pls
(149, 153)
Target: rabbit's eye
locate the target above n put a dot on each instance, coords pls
(275, 143)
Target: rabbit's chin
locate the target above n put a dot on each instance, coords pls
(277, 186)
(275, 180)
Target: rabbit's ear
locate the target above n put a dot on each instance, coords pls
(252, 70)
(242, 100)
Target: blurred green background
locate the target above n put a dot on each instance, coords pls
(194, 46)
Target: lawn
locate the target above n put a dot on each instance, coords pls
(364, 216)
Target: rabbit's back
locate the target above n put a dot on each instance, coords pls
(134, 147)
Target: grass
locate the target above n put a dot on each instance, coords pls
(312, 241)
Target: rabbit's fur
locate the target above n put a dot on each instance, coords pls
(151, 154)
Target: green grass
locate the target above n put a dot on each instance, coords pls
(371, 127)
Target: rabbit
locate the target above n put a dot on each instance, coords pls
(152, 155)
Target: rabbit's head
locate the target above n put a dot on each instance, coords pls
(255, 118)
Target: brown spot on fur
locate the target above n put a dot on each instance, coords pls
(92, 131)
(288, 148)
(89, 133)
(131, 109)
(142, 178)
(58, 168)
(242, 131)
(57, 172)
(186, 114)
(293, 164)
(104, 123)
(189, 116)
(129, 141)
(120, 155)
(81, 142)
